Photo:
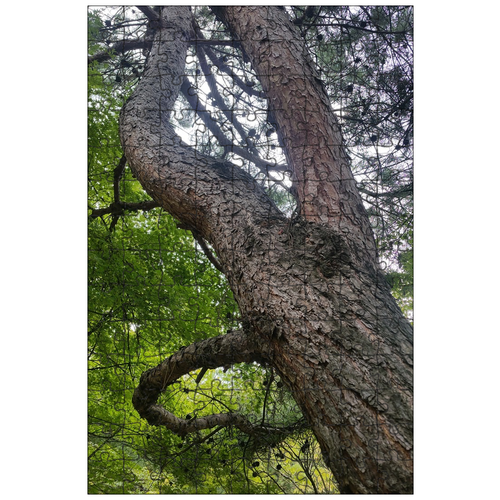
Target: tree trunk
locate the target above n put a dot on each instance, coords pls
(314, 304)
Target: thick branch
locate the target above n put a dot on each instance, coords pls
(182, 426)
(200, 191)
(234, 347)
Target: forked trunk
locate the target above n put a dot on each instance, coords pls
(312, 299)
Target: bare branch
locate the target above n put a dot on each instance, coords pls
(224, 68)
(264, 166)
(205, 46)
(208, 252)
(203, 41)
(357, 27)
(119, 48)
(118, 208)
(218, 99)
(117, 175)
(201, 375)
(203, 244)
(400, 192)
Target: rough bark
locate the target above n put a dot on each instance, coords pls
(313, 302)
(308, 128)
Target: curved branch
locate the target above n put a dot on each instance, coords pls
(200, 191)
(234, 347)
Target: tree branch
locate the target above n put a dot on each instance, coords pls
(119, 48)
(401, 192)
(200, 191)
(204, 114)
(117, 175)
(251, 156)
(219, 101)
(354, 27)
(223, 67)
(234, 347)
(197, 236)
(117, 208)
(208, 252)
(205, 42)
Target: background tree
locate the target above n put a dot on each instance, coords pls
(249, 133)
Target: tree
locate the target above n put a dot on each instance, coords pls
(314, 305)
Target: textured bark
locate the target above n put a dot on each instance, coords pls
(313, 302)
(307, 125)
